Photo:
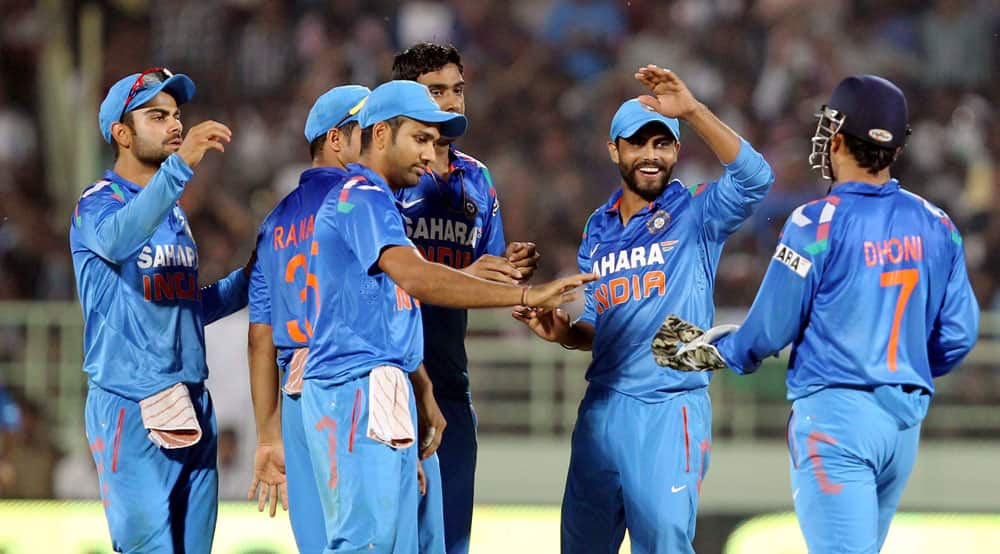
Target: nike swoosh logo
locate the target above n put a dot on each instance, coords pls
(795, 494)
(594, 249)
(407, 205)
(678, 489)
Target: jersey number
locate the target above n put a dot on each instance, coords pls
(907, 279)
(295, 331)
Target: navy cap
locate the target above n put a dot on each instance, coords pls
(409, 99)
(631, 117)
(113, 108)
(337, 106)
(874, 110)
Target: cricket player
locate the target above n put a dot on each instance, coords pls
(149, 417)
(642, 440)
(453, 217)
(357, 402)
(280, 286)
(869, 286)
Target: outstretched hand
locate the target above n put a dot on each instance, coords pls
(269, 483)
(556, 293)
(551, 325)
(671, 96)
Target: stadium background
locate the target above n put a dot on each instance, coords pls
(544, 79)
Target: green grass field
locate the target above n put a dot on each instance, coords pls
(80, 528)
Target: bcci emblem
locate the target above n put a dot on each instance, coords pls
(471, 209)
(658, 222)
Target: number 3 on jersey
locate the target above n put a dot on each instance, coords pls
(907, 279)
(295, 331)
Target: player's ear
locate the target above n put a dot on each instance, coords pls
(613, 152)
(122, 134)
(333, 137)
(836, 142)
(381, 134)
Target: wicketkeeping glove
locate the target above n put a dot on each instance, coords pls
(701, 354)
(672, 335)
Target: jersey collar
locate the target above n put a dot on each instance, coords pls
(110, 175)
(854, 187)
(611, 207)
(318, 172)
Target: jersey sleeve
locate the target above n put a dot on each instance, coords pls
(114, 228)
(369, 221)
(224, 297)
(781, 309)
(585, 262)
(259, 294)
(956, 327)
(731, 199)
(493, 238)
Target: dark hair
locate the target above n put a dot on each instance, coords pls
(367, 132)
(129, 121)
(316, 146)
(424, 57)
(867, 155)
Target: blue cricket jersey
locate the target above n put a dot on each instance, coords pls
(869, 286)
(452, 223)
(280, 283)
(663, 262)
(136, 267)
(361, 318)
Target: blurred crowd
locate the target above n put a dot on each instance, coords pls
(544, 78)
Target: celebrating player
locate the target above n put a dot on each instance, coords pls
(279, 288)
(453, 217)
(357, 405)
(655, 246)
(869, 286)
(149, 418)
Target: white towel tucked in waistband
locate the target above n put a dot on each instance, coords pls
(389, 419)
(296, 370)
(170, 417)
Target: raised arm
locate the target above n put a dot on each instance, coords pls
(113, 228)
(747, 177)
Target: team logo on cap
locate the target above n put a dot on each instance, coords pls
(357, 107)
(880, 135)
(658, 222)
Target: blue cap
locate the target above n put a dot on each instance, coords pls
(180, 86)
(632, 115)
(874, 110)
(409, 99)
(337, 106)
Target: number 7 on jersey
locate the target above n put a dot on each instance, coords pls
(907, 279)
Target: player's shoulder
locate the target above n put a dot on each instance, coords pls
(468, 161)
(809, 224)
(592, 224)
(917, 201)
(101, 190)
(360, 186)
(934, 216)
(476, 169)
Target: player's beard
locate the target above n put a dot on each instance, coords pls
(646, 192)
(148, 152)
